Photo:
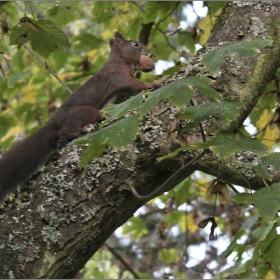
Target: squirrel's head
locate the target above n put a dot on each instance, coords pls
(129, 50)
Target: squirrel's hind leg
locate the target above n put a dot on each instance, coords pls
(78, 117)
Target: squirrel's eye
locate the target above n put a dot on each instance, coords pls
(135, 44)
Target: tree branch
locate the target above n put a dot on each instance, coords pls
(62, 217)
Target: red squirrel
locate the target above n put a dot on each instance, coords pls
(114, 79)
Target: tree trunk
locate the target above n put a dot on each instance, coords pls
(62, 216)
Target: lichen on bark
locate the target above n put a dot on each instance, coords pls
(64, 215)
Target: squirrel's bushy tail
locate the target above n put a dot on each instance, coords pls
(24, 158)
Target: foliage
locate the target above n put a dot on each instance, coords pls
(72, 37)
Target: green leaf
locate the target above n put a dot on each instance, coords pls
(238, 268)
(240, 249)
(120, 110)
(164, 13)
(220, 144)
(247, 225)
(49, 37)
(86, 39)
(6, 122)
(151, 11)
(272, 159)
(173, 217)
(214, 59)
(185, 39)
(224, 111)
(15, 78)
(134, 28)
(243, 198)
(261, 171)
(182, 192)
(63, 13)
(263, 230)
(142, 275)
(266, 200)
(23, 108)
(229, 250)
(59, 57)
(179, 93)
(103, 10)
(214, 6)
(123, 132)
(273, 255)
(180, 275)
(262, 269)
(136, 226)
(20, 35)
(45, 40)
(262, 247)
(168, 255)
(94, 150)
(159, 40)
(203, 85)
(116, 135)
(264, 250)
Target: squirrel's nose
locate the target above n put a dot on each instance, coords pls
(145, 51)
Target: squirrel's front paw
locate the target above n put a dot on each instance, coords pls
(158, 84)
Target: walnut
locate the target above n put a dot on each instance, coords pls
(146, 64)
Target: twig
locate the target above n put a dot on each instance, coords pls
(118, 256)
(161, 187)
(48, 68)
(262, 129)
(166, 39)
(171, 12)
(233, 188)
(200, 125)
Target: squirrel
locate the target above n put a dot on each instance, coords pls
(115, 79)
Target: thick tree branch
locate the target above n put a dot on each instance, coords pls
(63, 216)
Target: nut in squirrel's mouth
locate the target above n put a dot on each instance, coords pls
(146, 64)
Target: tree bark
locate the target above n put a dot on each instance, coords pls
(63, 216)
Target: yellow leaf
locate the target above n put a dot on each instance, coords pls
(93, 55)
(201, 186)
(114, 23)
(269, 136)
(187, 223)
(108, 33)
(12, 132)
(125, 7)
(168, 255)
(265, 117)
(206, 25)
(36, 69)
(30, 93)
(270, 275)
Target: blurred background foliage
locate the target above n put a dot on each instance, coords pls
(163, 238)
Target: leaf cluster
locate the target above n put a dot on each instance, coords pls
(72, 37)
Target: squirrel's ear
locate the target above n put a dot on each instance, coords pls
(119, 38)
(112, 43)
